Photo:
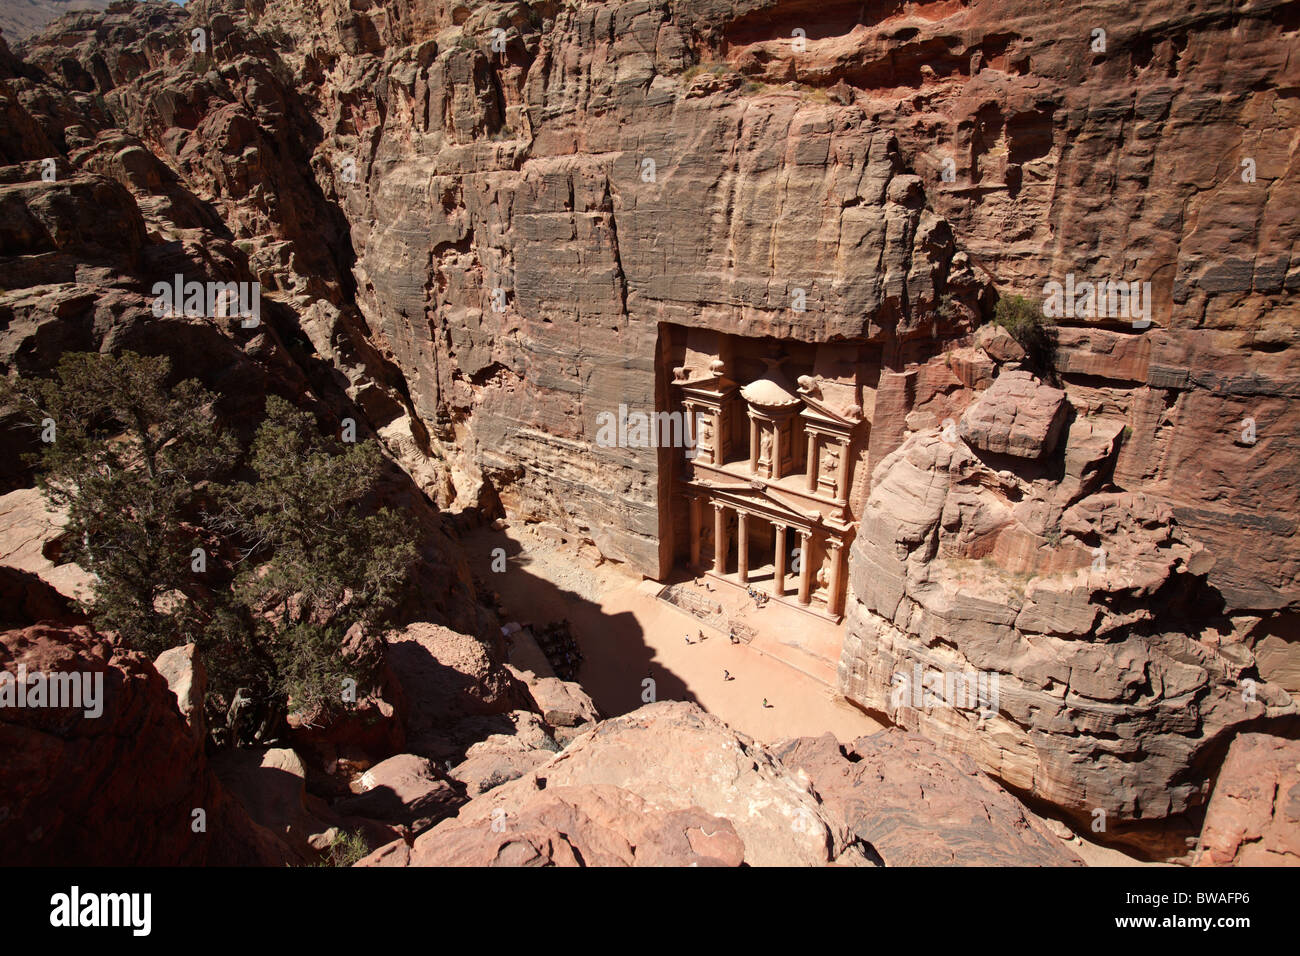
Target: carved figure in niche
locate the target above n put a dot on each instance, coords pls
(765, 445)
(830, 461)
(706, 430)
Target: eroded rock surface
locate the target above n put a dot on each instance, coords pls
(465, 250)
(1254, 814)
(914, 805)
(120, 788)
(715, 793)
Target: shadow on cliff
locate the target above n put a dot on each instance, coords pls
(616, 657)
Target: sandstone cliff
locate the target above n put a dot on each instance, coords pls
(473, 222)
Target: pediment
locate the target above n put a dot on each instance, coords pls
(764, 497)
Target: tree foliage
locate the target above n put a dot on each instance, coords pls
(129, 460)
(296, 560)
(1024, 320)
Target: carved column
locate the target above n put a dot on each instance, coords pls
(742, 546)
(719, 539)
(753, 445)
(834, 595)
(812, 461)
(805, 568)
(778, 577)
(842, 476)
(776, 450)
(697, 528)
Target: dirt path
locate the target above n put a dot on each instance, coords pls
(627, 635)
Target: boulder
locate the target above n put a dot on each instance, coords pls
(562, 703)
(998, 344)
(405, 789)
(486, 769)
(187, 678)
(915, 805)
(445, 677)
(1254, 814)
(271, 786)
(128, 786)
(1016, 415)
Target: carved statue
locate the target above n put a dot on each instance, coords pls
(830, 461)
(765, 445)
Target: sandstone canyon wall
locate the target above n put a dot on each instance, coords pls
(476, 223)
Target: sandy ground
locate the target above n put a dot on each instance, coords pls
(627, 634)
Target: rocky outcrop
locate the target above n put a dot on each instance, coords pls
(1254, 815)
(128, 785)
(562, 703)
(449, 678)
(187, 678)
(579, 826)
(910, 804)
(1057, 641)
(1016, 415)
(405, 789)
(664, 784)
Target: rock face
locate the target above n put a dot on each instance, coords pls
(22, 18)
(475, 251)
(121, 788)
(1058, 641)
(663, 784)
(1254, 815)
(914, 805)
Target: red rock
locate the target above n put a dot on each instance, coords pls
(404, 789)
(1254, 814)
(1017, 415)
(118, 789)
(577, 826)
(914, 805)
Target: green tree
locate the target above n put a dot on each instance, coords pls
(321, 560)
(298, 564)
(129, 460)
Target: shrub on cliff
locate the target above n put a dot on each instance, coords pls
(128, 460)
(1026, 324)
(268, 576)
(316, 560)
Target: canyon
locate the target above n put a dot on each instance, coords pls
(482, 231)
